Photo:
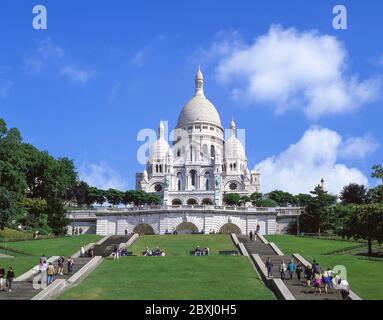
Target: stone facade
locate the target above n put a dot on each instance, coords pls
(201, 165)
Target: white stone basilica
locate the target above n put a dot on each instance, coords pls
(200, 166)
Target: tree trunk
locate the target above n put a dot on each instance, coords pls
(369, 247)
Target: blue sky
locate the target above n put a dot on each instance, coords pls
(103, 70)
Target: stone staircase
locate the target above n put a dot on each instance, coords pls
(23, 290)
(297, 288)
(106, 248)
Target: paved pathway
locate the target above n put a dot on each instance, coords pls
(298, 289)
(106, 248)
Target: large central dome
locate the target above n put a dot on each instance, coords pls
(199, 108)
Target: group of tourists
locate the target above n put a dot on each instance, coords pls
(198, 251)
(6, 279)
(314, 276)
(87, 253)
(253, 234)
(77, 231)
(48, 270)
(153, 253)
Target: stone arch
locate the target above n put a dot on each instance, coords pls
(177, 202)
(230, 228)
(207, 202)
(143, 228)
(186, 228)
(192, 202)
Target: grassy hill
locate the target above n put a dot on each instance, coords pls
(176, 276)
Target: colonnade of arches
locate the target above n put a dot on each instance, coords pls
(192, 202)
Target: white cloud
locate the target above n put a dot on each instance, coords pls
(301, 167)
(5, 87)
(289, 69)
(44, 54)
(76, 74)
(138, 59)
(102, 176)
(359, 147)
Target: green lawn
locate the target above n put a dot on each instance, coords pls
(365, 275)
(33, 249)
(176, 276)
(14, 235)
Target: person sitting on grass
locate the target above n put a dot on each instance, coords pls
(146, 252)
(206, 251)
(197, 251)
(157, 251)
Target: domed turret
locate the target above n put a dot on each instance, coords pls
(199, 108)
(233, 147)
(159, 149)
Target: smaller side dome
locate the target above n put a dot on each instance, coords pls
(159, 149)
(233, 147)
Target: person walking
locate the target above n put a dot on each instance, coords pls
(299, 271)
(326, 281)
(50, 272)
(70, 263)
(251, 235)
(2, 278)
(82, 251)
(60, 269)
(344, 289)
(10, 277)
(317, 283)
(43, 270)
(291, 268)
(282, 270)
(308, 275)
(269, 267)
(126, 233)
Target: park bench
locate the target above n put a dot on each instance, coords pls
(228, 252)
(201, 253)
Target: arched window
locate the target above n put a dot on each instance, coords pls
(207, 180)
(179, 179)
(212, 151)
(191, 153)
(193, 175)
(156, 167)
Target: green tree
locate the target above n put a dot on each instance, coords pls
(281, 198)
(353, 194)
(267, 203)
(303, 199)
(377, 172)
(375, 195)
(114, 196)
(57, 220)
(7, 207)
(232, 199)
(255, 197)
(95, 195)
(318, 213)
(366, 222)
